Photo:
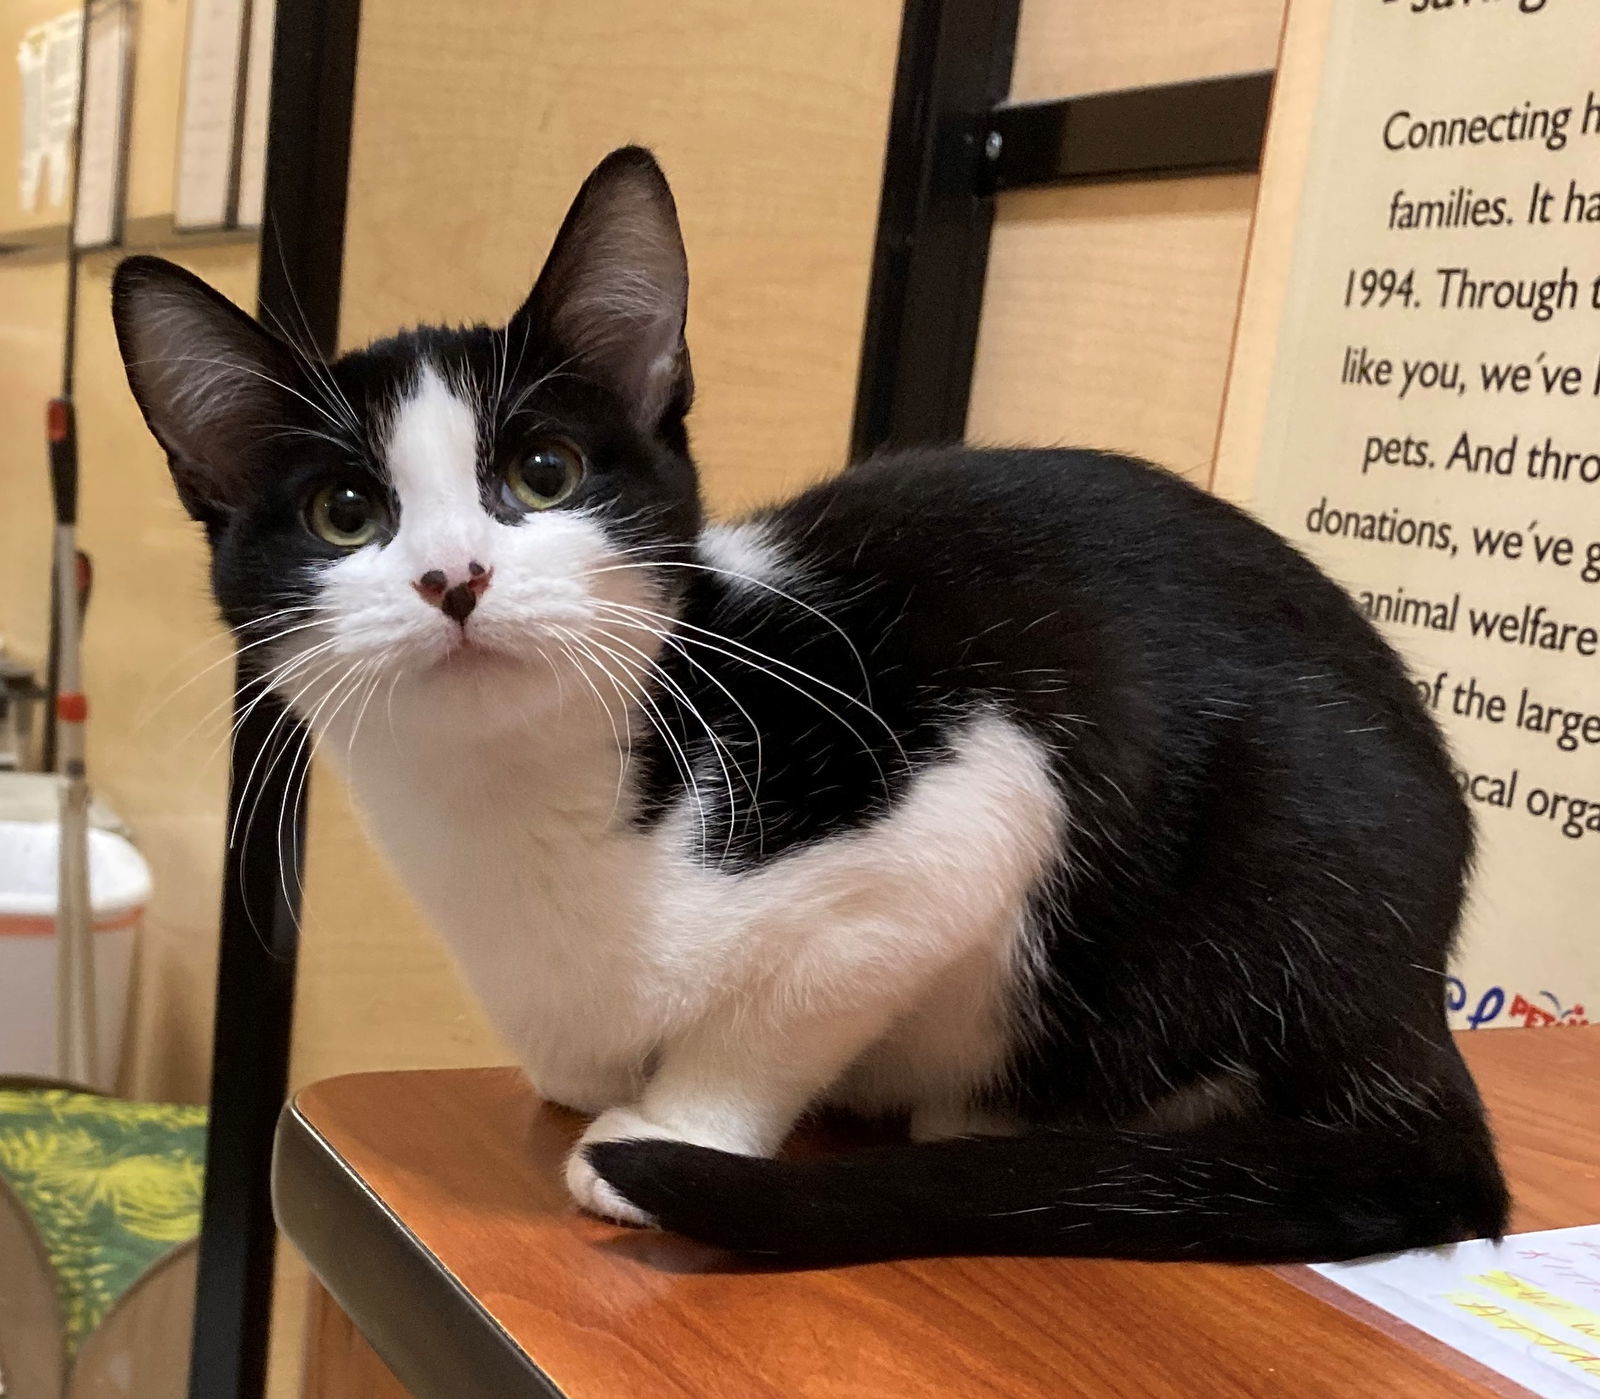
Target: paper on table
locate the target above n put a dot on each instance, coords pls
(1528, 1307)
(206, 139)
(105, 110)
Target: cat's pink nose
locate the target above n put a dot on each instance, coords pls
(454, 596)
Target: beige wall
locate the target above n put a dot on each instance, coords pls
(31, 299)
(1108, 317)
(1071, 46)
(159, 675)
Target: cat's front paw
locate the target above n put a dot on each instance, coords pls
(584, 1182)
(628, 1124)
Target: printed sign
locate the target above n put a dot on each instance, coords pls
(1431, 433)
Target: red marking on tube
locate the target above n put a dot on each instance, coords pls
(72, 709)
(57, 421)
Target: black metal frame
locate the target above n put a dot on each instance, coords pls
(1213, 126)
(933, 223)
(302, 242)
(953, 146)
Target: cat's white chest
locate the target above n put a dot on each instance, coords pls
(548, 897)
(593, 943)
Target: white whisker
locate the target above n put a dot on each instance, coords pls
(718, 747)
(658, 722)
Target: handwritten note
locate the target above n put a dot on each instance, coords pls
(1527, 1308)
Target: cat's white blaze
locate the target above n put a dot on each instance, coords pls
(550, 571)
(878, 967)
(431, 456)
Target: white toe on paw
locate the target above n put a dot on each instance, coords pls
(594, 1195)
(588, 1189)
(628, 1124)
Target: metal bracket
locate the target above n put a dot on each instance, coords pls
(1211, 127)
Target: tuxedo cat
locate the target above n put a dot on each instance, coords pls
(1034, 797)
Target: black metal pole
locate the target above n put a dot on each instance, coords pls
(934, 220)
(302, 244)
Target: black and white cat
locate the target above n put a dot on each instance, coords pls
(1035, 796)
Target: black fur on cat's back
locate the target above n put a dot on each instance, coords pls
(1266, 862)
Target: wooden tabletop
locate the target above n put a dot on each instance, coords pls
(431, 1207)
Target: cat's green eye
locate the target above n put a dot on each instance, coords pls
(544, 478)
(344, 516)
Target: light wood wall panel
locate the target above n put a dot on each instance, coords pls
(1110, 309)
(1108, 317)
(473, 134)
(1071, 46)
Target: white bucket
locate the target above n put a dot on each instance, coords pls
(119, 889)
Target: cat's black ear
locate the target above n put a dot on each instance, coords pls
(210, 382)
(614, 291)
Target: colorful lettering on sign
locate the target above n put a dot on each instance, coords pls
(1491, 1004)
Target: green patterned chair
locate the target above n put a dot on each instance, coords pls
(99, 1212)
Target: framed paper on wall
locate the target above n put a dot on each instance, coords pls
(253, 125)
(108, 70)
(222, 140)
(208, 132)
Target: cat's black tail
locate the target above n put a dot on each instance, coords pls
(1263, 1191)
